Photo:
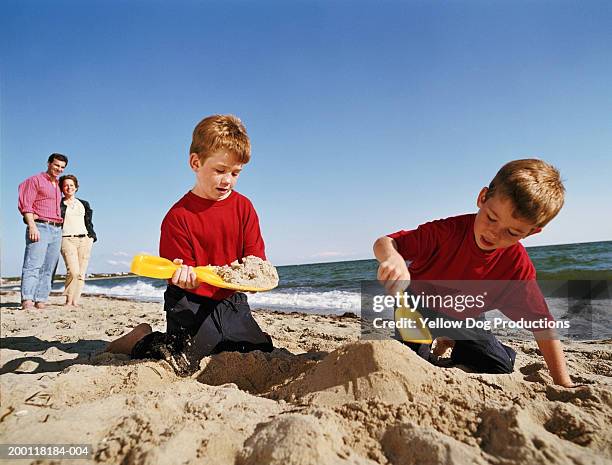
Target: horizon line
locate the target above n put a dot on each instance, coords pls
(356, 259)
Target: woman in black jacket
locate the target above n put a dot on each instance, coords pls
(78, 236)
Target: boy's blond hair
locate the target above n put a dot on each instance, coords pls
(219, 132)
(534, 187)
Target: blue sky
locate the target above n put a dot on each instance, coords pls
(365, 117)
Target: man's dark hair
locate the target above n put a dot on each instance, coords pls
(58, 156)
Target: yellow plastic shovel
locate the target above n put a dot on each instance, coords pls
(420, 333)
(162, 268)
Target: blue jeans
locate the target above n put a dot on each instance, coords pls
(39, 262)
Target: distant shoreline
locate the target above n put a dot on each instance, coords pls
(17, 281)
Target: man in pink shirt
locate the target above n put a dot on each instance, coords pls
(39, 203)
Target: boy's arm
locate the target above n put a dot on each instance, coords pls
(524, 299)
(551, 349)
(174, 244)
(392, 271)
(253, 241)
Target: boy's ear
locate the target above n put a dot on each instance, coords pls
(482, 197)
(194, 161)
(534, 231)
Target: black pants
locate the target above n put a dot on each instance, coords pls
(476, 348)
(199, 326)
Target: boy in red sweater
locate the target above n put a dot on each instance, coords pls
(522, 198)
(210, 225)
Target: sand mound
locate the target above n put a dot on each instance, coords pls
(410, 445)
(318, 442)
(382, 370)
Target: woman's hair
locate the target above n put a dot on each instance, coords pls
(69, 176)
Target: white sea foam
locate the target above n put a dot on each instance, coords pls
(327, 302)
(137, 290)
(330, 301)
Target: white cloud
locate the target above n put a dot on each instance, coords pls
(118, 263)
(121, 254)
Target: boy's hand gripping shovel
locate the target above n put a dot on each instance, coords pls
(161, 268)
(419, 333)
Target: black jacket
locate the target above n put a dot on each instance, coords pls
(88, 216)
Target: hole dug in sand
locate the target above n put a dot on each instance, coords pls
(572, 424)
(513, 436)
(255, 372)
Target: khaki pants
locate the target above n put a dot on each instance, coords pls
(76, 251)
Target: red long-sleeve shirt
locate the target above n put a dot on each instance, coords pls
(207, 232)
(40, 196)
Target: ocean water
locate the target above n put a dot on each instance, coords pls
(586, 261)
(334, 288)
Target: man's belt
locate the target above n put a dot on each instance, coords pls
(77, 235)
(52, 223)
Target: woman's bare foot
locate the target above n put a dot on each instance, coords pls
(126, 343)
(27, 305)
(40, 305)
(441, 345)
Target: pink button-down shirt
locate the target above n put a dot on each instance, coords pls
(38, 195)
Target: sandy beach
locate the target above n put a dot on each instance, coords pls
(322, 397)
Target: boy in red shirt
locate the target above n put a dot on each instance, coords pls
(210, 225)
(522, 198)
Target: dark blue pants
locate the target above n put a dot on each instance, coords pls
(199, 326)
(477, 349)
